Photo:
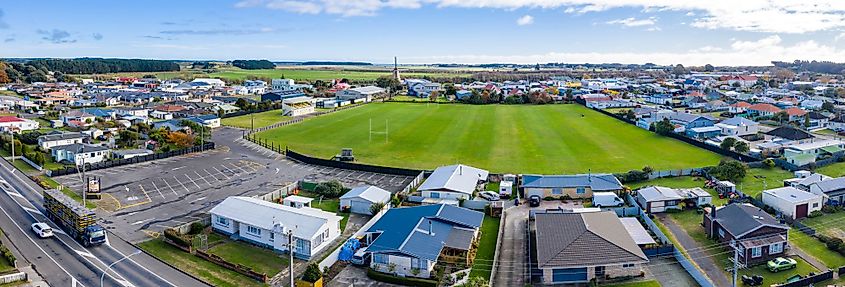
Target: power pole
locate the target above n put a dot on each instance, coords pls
(13, 148)
(736, 261)
(290, 251)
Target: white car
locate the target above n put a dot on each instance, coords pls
(42, 229)
(489, 195)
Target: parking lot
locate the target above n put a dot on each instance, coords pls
(143, 199)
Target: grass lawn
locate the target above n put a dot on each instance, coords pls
(24, 167)
(261, 260)
(549, 139)
(5, 265)
(210, 272)
(299, 74)
(262, 119)
(483, 263)
(816, 248)
(834, 170)
(803, 268)
(759, 179)
(681, 182)
(331, 205)
(648, 283)
(832, 224)
(67, 191)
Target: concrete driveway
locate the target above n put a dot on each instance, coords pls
(699, 254)
(355, 276)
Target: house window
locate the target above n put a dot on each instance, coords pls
(222, 221)
(415, 263)
(435, 195)
(721, 233)
(253, 230)
(380, 258)
(581, 190)
(628, 265)
(272, 236)
(776, 248)
(326, 234)
(557, 191)
(756, 252)
(815, 204)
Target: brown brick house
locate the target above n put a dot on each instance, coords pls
(761, 236)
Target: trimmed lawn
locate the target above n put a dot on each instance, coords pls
(210, 272)
(833, 170)
(67, 191)
(261, 260)
(681, 182)
(331, 205)
(816, 248)
(803, 268)
(548, 139)
(649, 283)
(483, 264)
(759, 179)
(262, 119)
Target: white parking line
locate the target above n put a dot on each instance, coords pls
(211, 175)
(361, 175)
(192, 181)
(227, 177)
(200, 176)
(171, 188)
(159, 191)
(180, 183)
(229, 170)
(371, 176)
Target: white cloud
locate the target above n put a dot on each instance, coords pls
(759, 52)
(633, 22)
(839, 37)
(525, 20)
(774, 16)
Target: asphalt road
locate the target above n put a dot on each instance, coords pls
(64, 262)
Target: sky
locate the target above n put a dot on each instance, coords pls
(717, 32)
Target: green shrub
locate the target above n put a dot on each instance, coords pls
(834, 243)
(329, 189)
(196, 228)
(407, 281)
(177, 238)
(830, 209)
(815, 213)
(312, 273)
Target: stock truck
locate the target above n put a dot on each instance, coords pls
(78, 221)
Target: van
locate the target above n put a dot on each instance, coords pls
(361, 257)
(505, 188)
(606, 199)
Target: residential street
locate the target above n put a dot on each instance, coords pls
(698, 254)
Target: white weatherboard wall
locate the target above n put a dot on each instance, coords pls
(788, 208)
(332, 258)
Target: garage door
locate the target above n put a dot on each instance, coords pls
(801, 211)
(569, 275)
(360, 207)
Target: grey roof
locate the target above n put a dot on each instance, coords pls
(584, 239)
(61, 136)
(457, 178)
(739, 121)
(141, 151)
(688, 118)
(740, 219)
(460, 238)
(659, 193)
(831, 185)
(789, 133)
(369, 193)
(597, 182)
(791, 194)
(81, 148)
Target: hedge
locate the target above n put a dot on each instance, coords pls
(407, 281)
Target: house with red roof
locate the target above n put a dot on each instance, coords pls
(744, 81)
(762, 110)
(15, 124)
(795, 113)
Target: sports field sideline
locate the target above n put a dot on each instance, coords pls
(548, 139)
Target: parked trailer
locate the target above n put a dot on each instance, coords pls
(78, 221)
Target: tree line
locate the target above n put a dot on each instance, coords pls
(253, 64)
(103, 66)
(812, 66)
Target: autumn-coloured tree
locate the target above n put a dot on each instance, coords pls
(180, 139)
(4, 78)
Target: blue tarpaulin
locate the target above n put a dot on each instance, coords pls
(348, 249)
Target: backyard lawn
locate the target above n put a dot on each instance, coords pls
(262, 260)
(549, 139)
(210, 272)
(330, 205)
(483, 263)
(262, 119)
(834, 170)
(759, 179)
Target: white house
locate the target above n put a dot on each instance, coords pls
(80, 153)
(15, 124)
(738, 126)
(367, 93)
(212, 82)
(805, 153)
(298, 106)
(59, 138)
(453, 182)
(792, 202)
(267, 224)
(656, 199)
(359, 199)
(421, 88)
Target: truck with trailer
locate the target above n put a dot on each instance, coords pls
(76, 220)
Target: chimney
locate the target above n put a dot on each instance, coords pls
(590, 175)
(430, 230)
(460, 170)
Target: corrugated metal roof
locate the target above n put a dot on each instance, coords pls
(305, 222)
(596, 182)
(369, 193)
(457, 178)
(636, 231)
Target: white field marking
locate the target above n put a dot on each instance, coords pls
(159, 191)
(171, 187)
(192, 181)
(182, 184)
(200, 176)
(227, 177)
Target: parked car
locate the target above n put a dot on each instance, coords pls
(42, 229)
(780, 264)
(361, 257)
(489, 195)
(534, 200)
(606, 199)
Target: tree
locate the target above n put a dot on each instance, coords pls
(679, 70)
(476, 281)
(783, 74)
(664, 127)
(312, 273)
(330, 189)
(807, 120)
(741, 147)
(781, 117)
(630, 114)
(253, 64)
(376, 207)
(180, 139)
(127, 138)
(4, 77)
(241, 103)
(828, 106)
(730, 170)
(728, 143)
(389, 83)
(450, 89)
(709, 68)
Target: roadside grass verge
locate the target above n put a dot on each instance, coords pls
(207, 271)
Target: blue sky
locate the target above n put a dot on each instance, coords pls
(430, 31)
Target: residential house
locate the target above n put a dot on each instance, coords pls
(80, 153)
(77, 115)
(130, 153)
(281, 95)
(12, 124)
(792, 202)
(366, 94)
(817, 120)
(790, 134)
(805, 153)
(654, 199)
(360, 199)
(761, 236)
(209, 121)
(703, 133)
(212, 82)
(453, 182)
(689, 121)
(573, 186)
(660, 99)
(421, 88)
(832, 189)
(738, 126)
(795, 114)
(59, 138)
(582, 247)
(267, 224)
(412, 240)
(762, 110)
(298, 106)
(739, 107)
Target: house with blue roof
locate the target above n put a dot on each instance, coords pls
(410, 241)
(209, 120)
(573, 186)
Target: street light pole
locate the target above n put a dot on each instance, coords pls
(103, 277)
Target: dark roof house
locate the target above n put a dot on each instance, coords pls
(761, 235)
(790, 133)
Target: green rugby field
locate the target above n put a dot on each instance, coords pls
(548, 139)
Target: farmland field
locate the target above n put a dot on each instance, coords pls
(299, 74)
(549, 139)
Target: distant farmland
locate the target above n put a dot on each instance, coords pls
(289, 73)
(548, 139)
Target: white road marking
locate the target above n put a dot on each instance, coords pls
(180, 183)
(171, 188)
(192, 181)
(200, 176)
(33, 210)
(211, 175)
(227, 177)
(198, 199)
(159, 191)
